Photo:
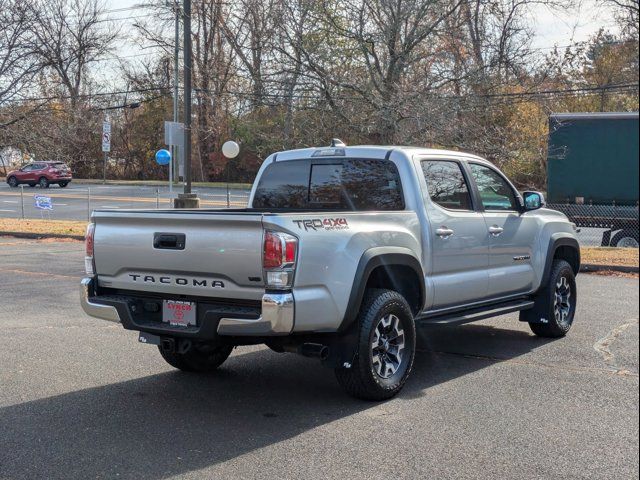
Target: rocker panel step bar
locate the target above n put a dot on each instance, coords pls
(475, 314)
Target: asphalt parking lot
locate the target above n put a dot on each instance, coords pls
(80, 398)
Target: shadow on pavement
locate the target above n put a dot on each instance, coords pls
(172, 423)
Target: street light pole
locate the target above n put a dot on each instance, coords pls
(187, 199)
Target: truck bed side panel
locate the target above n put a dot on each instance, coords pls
(329, 257)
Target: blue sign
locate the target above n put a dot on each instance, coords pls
(163, 157)
(43, 203)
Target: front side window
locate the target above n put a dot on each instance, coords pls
(446, 184)
(495, 191)
(333, 184)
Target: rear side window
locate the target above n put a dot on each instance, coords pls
(331, 184)
(446, 184)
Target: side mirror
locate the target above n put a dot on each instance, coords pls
(533, 201)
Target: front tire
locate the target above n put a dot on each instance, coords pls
(199, 358)
(385, 350)
(555, 305)
(13, 182)
(63, 184)
(43, 182)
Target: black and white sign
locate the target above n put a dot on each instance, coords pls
(106, 137)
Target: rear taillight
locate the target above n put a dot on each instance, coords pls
(279, 257)
(88, 249)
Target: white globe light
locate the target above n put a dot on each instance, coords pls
(230, 149)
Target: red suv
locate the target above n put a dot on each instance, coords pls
(40, 173)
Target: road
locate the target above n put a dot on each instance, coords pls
(80, 398)
(75, 201)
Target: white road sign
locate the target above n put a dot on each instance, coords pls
(106, 137)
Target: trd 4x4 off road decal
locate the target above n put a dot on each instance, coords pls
(322, 224)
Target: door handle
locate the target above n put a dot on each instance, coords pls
(495, 230)
(169, 241)
(444, 232)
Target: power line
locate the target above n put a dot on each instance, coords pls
(562, 92)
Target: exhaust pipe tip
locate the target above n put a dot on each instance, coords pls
(314, 350)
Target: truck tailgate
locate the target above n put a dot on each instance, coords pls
(221, 255)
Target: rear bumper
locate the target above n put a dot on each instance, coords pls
(97, 310)
(276, 316)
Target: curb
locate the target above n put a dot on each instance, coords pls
(40, 236)
(589, 267)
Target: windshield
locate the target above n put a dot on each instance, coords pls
(330, 184)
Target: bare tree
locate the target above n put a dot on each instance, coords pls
(372, 50)
(17, 64)
(68, 36)
(628, 15)
(249, 30)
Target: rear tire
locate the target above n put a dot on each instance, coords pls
(385, 350)
(13, 182)
(625, 239)
(200, 358)
(43, 182)
(555, 305)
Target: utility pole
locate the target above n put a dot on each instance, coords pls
(187, 199)
(176, 86)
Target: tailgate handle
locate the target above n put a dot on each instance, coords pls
(169, 241)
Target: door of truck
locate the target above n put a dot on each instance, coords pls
(459, 244)
(512, 235)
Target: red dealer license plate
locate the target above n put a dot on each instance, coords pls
(178, 313)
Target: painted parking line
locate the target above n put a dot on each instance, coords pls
(5, 210)
(10, 201)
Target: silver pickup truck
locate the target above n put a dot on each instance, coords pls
(342, 253)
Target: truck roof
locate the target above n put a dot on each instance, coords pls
(370, 151)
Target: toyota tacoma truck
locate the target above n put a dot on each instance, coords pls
(342, 253)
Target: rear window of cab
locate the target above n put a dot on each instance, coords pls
(350, 184)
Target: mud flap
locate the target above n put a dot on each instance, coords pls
(343, 349)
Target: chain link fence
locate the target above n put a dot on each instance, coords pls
(78, 201)
(598, 225)
(603, 225)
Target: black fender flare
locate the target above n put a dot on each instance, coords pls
(556, 241)
(369, 261)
